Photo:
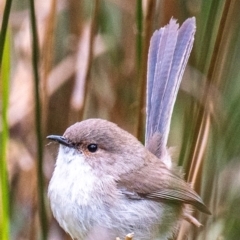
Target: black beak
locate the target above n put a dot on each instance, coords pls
(60, 139)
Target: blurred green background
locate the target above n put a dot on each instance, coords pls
(71, 60)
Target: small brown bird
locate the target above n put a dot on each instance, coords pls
(106, 184)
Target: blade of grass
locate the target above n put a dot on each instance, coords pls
(4, 28)
(4, 74)
(4, 202)
(35, 60)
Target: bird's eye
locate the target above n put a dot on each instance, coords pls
(92, 147)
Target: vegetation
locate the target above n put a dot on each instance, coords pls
(63, 61)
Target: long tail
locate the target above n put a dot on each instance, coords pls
(169, 51)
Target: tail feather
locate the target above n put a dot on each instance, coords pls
(169, 51)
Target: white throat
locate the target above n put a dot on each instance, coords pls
(72, 192)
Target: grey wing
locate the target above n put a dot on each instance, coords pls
(188, 196)
(169, 51)
(159, 186)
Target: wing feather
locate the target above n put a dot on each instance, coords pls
(155, 181)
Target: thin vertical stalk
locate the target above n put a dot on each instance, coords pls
(143, 71)
(4, 74)
(4, 28)
(202, 126)
(203, 123)
(35, 60)
(47, 60)
(90, 53)
(139, 19)
(4, 202)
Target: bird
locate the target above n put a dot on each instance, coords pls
(106, 183)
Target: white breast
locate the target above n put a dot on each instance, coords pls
(73, 198)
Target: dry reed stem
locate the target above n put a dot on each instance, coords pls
(47, 59)
(147, 31)
(90, 56)
(204, 116)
